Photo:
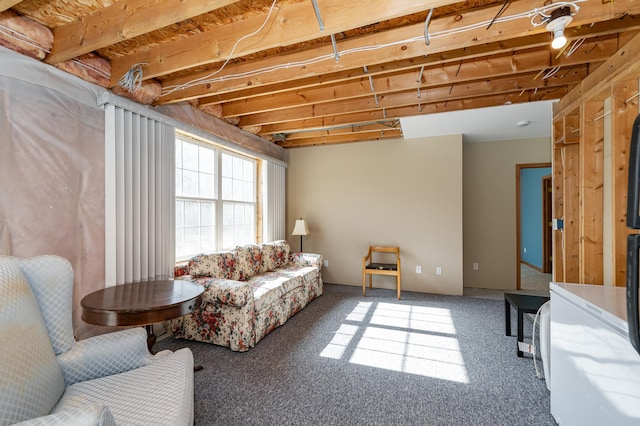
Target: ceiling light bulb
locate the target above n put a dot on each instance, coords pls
(559, 40)
(558, 21)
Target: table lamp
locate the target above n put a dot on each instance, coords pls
(301, 229)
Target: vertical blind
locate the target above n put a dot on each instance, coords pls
(139, 197)
(274, 205)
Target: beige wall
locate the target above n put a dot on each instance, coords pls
(490, 208)
(399, 192)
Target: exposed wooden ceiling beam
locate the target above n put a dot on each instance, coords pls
(354, 129)
(396, 113)
(439, 107)
(597, 32)
(494, 66)
(323, 123)
(8, 4)
(287, 85)
(330, 140)
(480, 102)
(284, 80)
(518, 83)
(501, 34)
(121, 21)
(295, 23)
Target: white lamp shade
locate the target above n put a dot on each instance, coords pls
(300, 228)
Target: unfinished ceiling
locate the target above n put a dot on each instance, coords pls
(344, 71)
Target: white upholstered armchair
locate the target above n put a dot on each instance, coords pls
(47, 378)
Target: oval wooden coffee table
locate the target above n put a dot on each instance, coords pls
(141, 303)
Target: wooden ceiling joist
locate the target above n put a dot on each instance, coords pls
(289, 25)
(393, 100)
(491, 67)
(8, 4)
(390, 51)
(283, 73)
(414, 110)
(598, 33)
(327, 140)
(354, 129)
(121, 21)
(287, 79)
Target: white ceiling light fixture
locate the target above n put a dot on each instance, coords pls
(523, 123)
(558, 20)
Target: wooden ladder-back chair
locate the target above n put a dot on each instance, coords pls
(371, 268)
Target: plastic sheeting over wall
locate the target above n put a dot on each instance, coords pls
(52, 171)
(52, 167)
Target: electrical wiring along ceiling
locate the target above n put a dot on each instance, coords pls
(303, 72)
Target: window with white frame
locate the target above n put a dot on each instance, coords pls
(215, 199)
(238, 189)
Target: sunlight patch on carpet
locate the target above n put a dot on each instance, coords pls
(411, 339)
(341, 340)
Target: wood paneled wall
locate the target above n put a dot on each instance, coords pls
(591, 152)
(579, 137)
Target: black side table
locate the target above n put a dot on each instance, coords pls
(524, 304)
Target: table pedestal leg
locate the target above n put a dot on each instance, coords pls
(151, 338)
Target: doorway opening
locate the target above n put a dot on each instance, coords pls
(533, 221)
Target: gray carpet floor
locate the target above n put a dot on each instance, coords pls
(532, 279)
(352, 360)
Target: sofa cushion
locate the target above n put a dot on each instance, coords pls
(225, 292)
(217, 265)
(275, 254)
(250, 261)
(269, 287)
(306, 259)
(31, 380)
(206, 265)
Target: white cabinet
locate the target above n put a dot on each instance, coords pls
(595, 372)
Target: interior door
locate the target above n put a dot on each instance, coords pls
(519, 168)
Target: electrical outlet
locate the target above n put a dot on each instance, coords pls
(326, 263)
(438, 270)
(476, 266)
(418, 269)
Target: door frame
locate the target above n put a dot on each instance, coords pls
(519, 167)
(547, 233)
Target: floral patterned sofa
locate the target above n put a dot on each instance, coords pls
(249, 291)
